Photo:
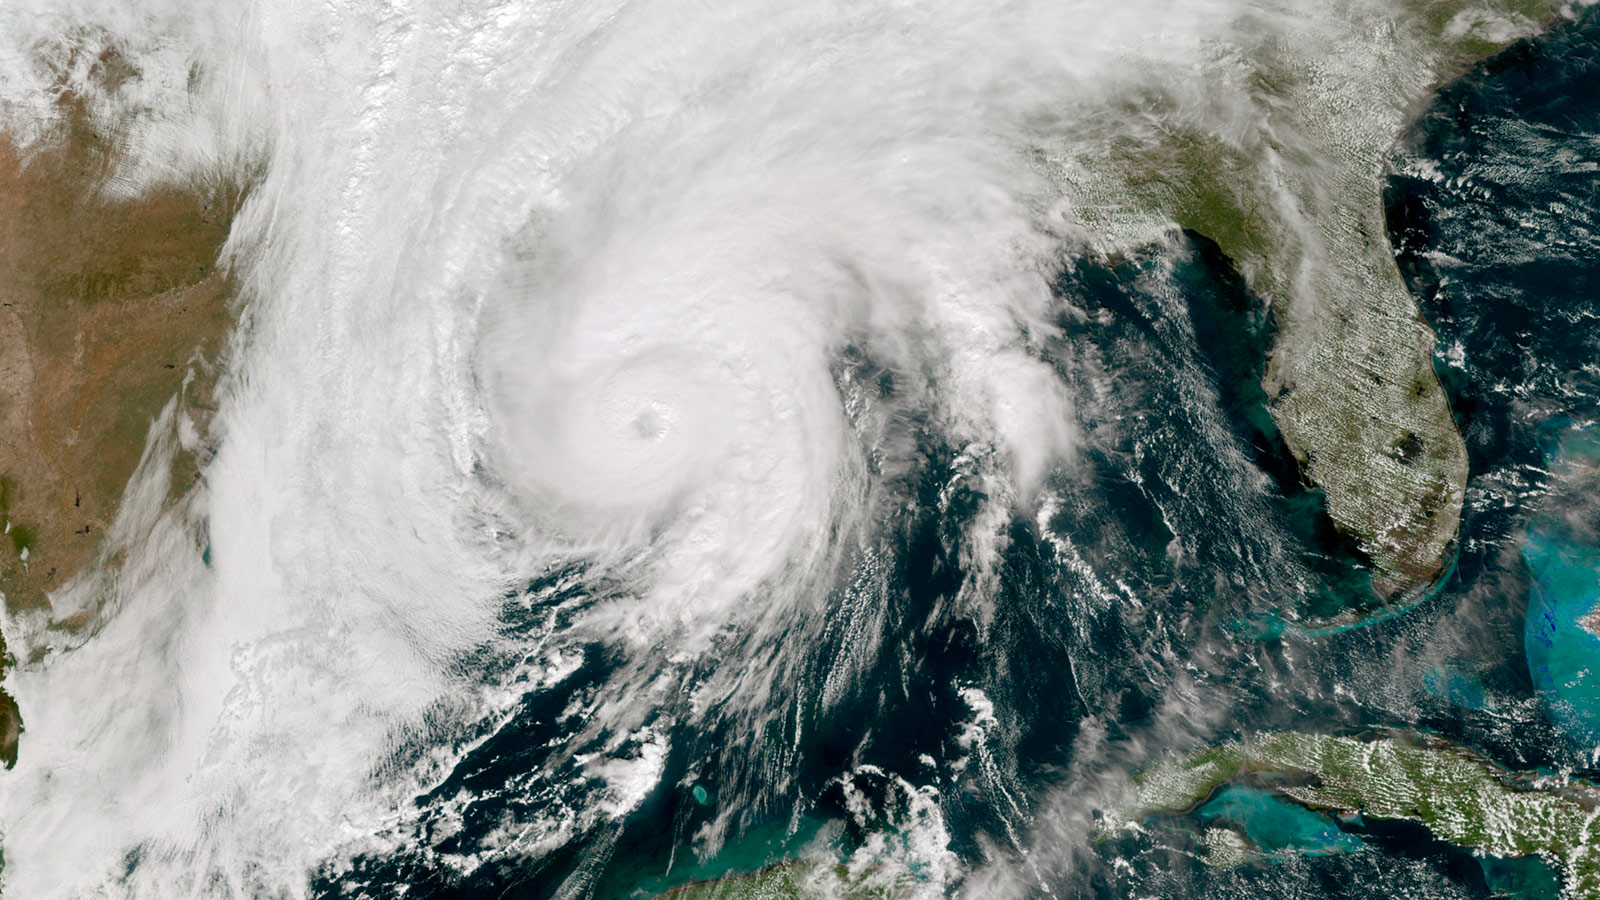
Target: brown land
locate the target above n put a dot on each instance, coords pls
(107, 304)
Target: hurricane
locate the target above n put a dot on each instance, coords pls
(660, 438)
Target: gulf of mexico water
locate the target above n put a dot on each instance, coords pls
(793, 541)
(1143, 604)
(1149, 601)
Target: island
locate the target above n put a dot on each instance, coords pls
(1456, 794)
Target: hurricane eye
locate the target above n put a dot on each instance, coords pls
(653, 422)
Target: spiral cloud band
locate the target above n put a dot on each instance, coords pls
(652, 306)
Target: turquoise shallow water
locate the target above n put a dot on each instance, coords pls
(762, 846)
(1563, 557)
(1563, 657)
(1524, 878)
(1275, 825)
(1457, 687)
(1182, 568)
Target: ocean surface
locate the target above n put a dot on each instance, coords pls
(671, 439)
(1152, 600)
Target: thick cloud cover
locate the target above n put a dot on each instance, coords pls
(528, 284)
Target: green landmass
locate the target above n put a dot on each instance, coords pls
(1454, 793)
(1280, 161)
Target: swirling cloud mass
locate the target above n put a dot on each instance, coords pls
(576, 338)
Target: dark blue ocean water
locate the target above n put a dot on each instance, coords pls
(1164, 599)
(1494, 211)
